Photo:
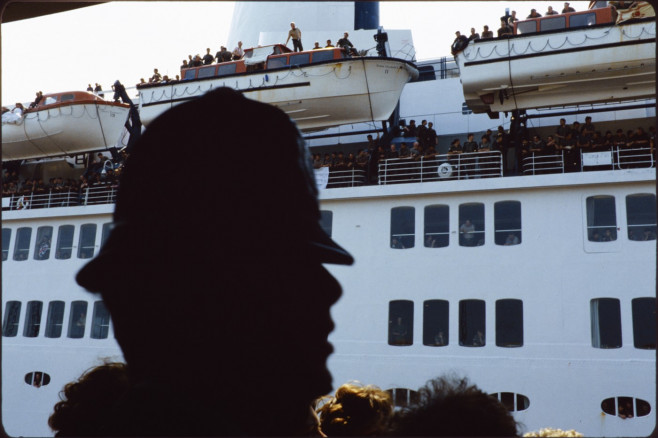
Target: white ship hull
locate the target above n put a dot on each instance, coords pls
(603, 64)
(64, 130)
(314, 96)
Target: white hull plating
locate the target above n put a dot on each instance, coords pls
(314, 96)
(602, 64)
(63, 130)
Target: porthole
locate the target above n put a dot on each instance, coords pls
(37, 379)
(625, 407)
(512, 401)
(403, 397)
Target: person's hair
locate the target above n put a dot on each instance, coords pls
(355, 410)
(550, 432)
(451, 406)
(86, 402)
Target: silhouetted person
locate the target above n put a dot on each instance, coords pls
(449, 406)
(355, 410)
(86, 402)
(229, 284)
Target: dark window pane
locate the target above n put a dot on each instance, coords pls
(606, 323)
(509, 323)
(105, 232)
(100, 321)
(66, 97)
(55, 319)
(552, 23)
(277, 62)
(526, 27)
(87, 241)
(401, 322)
(6, 237)
(644, 323)
(43, 242)
(507, 399)
(77, 319)
(189, 73)
(302, 58)
(608, 406)
(601, 219)
(206, 72)
(403, 227)
(437, 226)
(472, 323)
(643, 408)
(507, 222)
(11, 318)
(471, 224)
(22, 245)
(32, 319)
(64, 242)
(326, 221)
(323, 55)
(226, 69)
(641, 217)
(625, 407)
(435, 323)
(582, 20)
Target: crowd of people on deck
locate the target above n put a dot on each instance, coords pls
(224, 55)
(102, 172)
(506, 26)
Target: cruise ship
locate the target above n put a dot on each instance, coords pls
(533, 275)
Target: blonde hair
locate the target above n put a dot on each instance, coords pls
(355, 410)
(550, 432)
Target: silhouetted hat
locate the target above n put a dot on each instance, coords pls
(220, 176)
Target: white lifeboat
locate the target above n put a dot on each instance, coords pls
(65, 123)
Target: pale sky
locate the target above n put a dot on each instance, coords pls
(126, 40)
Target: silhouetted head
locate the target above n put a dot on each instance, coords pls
(355, 410)
(450, 406)
(223, 274)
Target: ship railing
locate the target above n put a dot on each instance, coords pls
(443, 167)
(103, 194)
(537, 163)
(615, 158)
(633, 158)
(353, 177)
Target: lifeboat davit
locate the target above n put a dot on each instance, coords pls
(66, 123)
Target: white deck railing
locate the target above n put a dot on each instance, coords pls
(443, 167)
(103, 194)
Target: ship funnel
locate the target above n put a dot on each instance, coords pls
(366, 15)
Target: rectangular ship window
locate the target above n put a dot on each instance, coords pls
(55, 319)
(644, 323)
(326, 221)
(43, 242)
(64, 242)
(11, 318)
(22, 245)
(472, 332)
(77, 319)
(601, 219)
(6, 237)
(401, 322)
(403, 227)
(100, 321)
(32, 319)
(437, 226)
(471, 224)
(87, 242)
(606, 323)
(507, 223)
(509, 323)
(435, 323)
(641, 216)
